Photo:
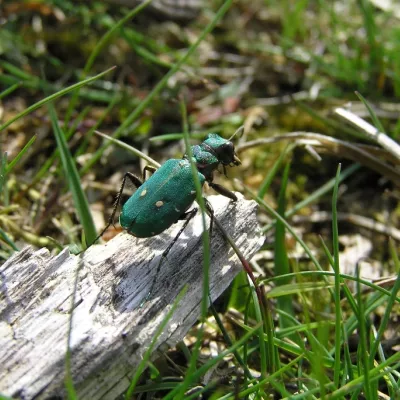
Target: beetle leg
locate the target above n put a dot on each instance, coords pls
(134, 180)
(148, 168)
(221, 190)
(210, 212)
(187, 216)
(137, 182)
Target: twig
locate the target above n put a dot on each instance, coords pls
(370, 131)
(365, 155)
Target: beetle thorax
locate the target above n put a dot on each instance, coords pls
(212, 153)
(205, 161)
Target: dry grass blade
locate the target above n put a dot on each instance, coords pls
(355, 152)
(359, 220)
(371, 132)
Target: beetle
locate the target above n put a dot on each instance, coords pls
(166, 196)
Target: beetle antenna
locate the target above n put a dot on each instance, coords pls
(238, 130)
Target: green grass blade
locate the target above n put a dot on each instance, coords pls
(371, 112)
(74, 183)
(53, 97)
(228, 340)
(271, 211)
(307, 329)
(348, 370)
(7, 240)
(147, 354)
(198, 135)
(17, 72)
(356, 383)
(91, 94)
(336, 268)
(108, 35)
(266, 183)
(325, 188)
(331, 262)
(199, 372)
(202, 205)
(12, 164)
(375, 49)
(362, 353)
(88, 135)
(281, 260)
(68, 380)
(267, 357)
(9, 90)
(336, 126)
(374, 287)
(288, 289)
(99, 47)
(141, 51)
(389, 307)
(291, 347)
(132, 149)
(206, 261)
(131, 118)
(3, 178)
(372, 303)
(271, 378)
(314, 196)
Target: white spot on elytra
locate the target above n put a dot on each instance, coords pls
(143, 193)
(177, 210)
(192, 192)
(159, 203)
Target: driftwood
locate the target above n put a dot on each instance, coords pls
(110, 331)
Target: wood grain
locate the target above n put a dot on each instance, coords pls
(110, 331)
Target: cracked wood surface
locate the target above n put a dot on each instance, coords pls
(110, 331)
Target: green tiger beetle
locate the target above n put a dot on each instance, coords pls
(166, 196)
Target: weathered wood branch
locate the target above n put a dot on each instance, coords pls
(110, 332)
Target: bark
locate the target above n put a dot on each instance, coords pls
(110, 331)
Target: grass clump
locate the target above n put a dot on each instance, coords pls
(328, 195)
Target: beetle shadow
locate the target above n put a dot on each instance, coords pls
(192, 274)
(134, 279)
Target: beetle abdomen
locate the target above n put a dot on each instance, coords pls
(161, 200)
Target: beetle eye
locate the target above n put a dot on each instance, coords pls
(226, 153)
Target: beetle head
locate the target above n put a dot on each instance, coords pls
(223, 149)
